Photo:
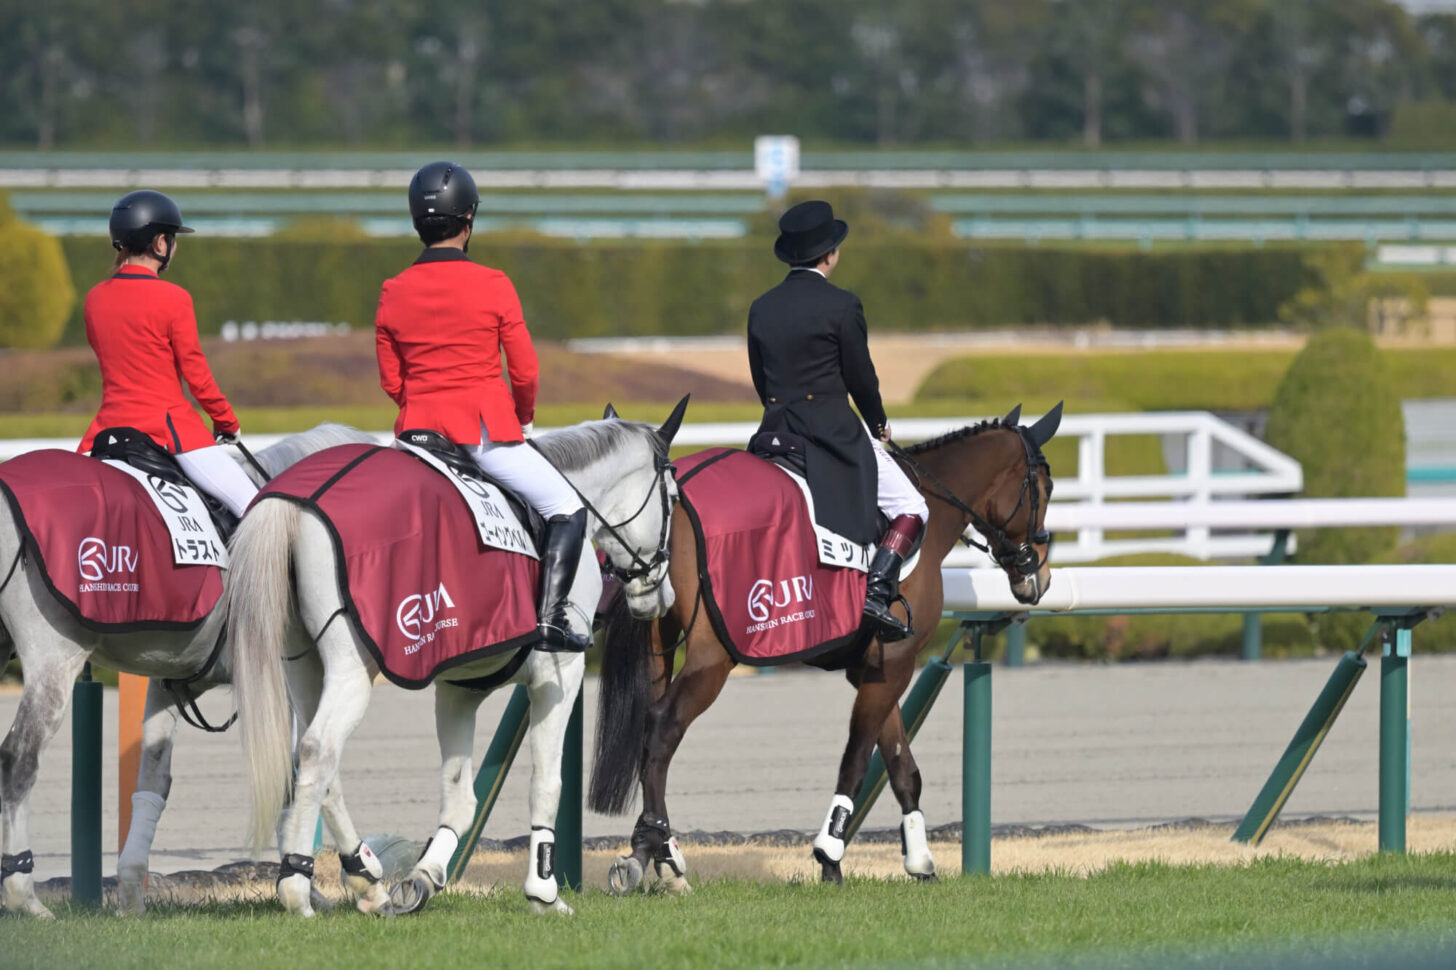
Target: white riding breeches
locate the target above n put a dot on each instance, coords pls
(897, 496)
(213, 470)
(525, 471)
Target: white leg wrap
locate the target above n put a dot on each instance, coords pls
(918, 861)
(437, 857)
(146, 809)
(830, 840)
(541, 867)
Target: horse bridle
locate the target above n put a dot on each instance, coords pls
(1009, 555)
(662, 469)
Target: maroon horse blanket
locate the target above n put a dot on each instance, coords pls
(102, 546)
(422, 591)
(769, 597)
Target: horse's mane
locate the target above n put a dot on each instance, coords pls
(572, 449)
(296, 447)
(950, 437)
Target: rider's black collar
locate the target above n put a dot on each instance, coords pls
(442, 254)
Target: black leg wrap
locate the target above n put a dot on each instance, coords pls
(651, 832)
(22, 864)
(295, 864)
(353, 865)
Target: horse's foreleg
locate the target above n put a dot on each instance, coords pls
(880, 687)
(154, 784)
(905, 783)
(51, 665)
(359, 866)
(689, 694)
(553, 683)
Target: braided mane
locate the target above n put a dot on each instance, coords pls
(970, 431)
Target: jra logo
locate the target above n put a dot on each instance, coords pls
(416, 611)
(97, 561)
(765, 596)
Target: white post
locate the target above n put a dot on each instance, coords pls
(1200, 476)
(1092, 477)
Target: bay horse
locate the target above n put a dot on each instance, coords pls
(53, 646)
(284, 593)
(993, 476)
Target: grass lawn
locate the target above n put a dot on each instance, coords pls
(1128, 915)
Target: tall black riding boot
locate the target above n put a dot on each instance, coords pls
(559, 561)
(883, 584)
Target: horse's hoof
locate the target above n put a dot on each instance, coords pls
(318, 900)
(830, 872)
(924, 877)
(624, 876)
(671, 882)
(410, 895)
(559, 908)
(129, 899)
(373, 900)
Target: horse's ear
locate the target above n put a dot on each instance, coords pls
(1047, 425)
(610, 412)
(669, 428)
(1013, 417)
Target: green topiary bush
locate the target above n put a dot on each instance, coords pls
(1337, 412)
(36, 293)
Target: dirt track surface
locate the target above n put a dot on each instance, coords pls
(1116, 747)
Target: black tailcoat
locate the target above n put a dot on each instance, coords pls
(808, 351)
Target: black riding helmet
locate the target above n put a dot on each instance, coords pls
(139, 217)
(442, 195)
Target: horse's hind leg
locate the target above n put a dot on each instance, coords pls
(360, 868)
(690, 693)
(51, 664)
(905, 783)
(553, 683)
(154, 784)
(341, 705)
(455, 709)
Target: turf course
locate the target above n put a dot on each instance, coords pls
(1128, 915)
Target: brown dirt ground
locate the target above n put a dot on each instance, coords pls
(1077, 853)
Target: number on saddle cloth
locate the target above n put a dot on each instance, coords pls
(463, 465)
(137, 449)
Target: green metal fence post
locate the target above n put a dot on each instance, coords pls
(1016, 645)
(568, 812)
(976, 769)
(1296, 758)
(1253, 645)
(1395, 738)
(86, 790)
(492, 774)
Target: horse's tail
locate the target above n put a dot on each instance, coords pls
(259, 606)
(626, 693)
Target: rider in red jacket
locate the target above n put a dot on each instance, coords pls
(439, 332)
(144, 333)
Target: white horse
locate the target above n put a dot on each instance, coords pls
(283, 593)
(53, 646)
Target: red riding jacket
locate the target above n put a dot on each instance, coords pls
(144, 333)
(439, 332)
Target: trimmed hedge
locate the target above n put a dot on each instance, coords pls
(1337, 413)
(37, 297)
(651, 287)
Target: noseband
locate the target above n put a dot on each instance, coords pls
(1009, 555)
(640, 567)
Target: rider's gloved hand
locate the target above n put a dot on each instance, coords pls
(226, 437)
(885, 434)
(528, 429)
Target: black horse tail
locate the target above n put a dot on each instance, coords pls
(626, 694)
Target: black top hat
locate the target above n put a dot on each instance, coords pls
(808, 231)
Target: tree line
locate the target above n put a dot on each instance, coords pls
(479, 73)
